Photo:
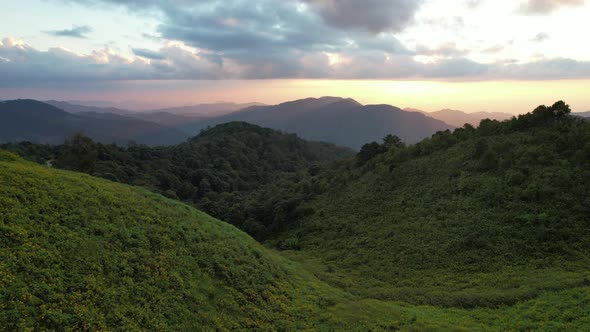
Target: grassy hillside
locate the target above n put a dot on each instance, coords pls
(83, 254)
(88, 254)
(478, 218)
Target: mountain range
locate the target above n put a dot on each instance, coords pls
(341, 121)
(335, 120)
(459, 118)
(30, 120)
(198, 110)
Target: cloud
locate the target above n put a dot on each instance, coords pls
(267, 39)
(148, 54)
(472, 4)
(493, 49)
(541, 37)
(447, 23)
(371, 15)
(23, 65)
(447, 50)
(543, 69)
(74, 32)
(542, 7)
(270, 39)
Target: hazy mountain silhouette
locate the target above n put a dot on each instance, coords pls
(170, 117)
(459, 118)
(336, 120)
(167, 119)
(206, 110)
(76, 108)
(30, 120)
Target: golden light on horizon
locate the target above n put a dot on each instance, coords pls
(506, 96)
(503, 96)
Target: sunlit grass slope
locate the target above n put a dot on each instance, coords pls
(86, 254)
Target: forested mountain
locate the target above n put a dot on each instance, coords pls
(340, 121)
(478, 229)
(480, 217)
(29, 120)
(583, 114)
(226, 170)
(459, 118)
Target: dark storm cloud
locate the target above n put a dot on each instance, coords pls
(74, 32)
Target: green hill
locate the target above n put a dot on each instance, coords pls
(476, 218)
(217, 170)
(79, 253)
(88, 254)
(477, 230)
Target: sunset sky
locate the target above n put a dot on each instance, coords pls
(473, 55)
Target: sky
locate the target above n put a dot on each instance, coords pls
(473, 55)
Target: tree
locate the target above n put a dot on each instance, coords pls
(560, 109)
(79, 153)
(390, 141)
(369, 151)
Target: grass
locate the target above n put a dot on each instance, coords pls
(89, 254)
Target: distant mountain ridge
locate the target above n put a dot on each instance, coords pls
(459, 118)
(170, 117)
(76, 108)
(342, 121)
(35, 121)
(206, 110)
